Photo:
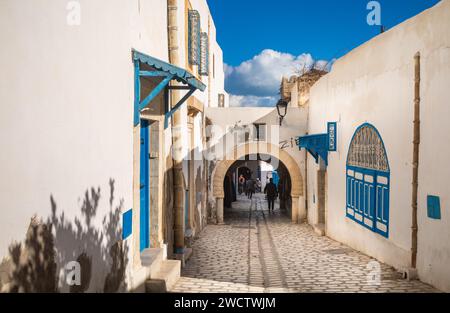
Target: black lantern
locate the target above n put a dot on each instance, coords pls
(282, 109)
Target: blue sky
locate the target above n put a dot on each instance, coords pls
(268, 39)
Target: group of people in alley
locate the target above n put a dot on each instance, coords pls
(250, 186)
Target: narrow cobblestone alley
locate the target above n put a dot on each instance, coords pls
(258, 251)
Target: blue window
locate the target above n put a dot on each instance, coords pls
(368, 180)
(434, 207)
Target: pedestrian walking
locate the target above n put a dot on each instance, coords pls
(271, 191)
(241, 184)
(258, 185)
(250, 188)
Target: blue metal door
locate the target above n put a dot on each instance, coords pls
(144, 187)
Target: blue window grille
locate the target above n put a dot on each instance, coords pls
(204, 55)
(194, 39)
(368, 181)
(434, 207)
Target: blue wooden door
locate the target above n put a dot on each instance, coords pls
(144, 187)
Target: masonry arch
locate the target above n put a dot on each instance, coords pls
(240, 152)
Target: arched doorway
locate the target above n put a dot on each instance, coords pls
(240, 152)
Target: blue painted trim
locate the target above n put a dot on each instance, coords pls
(137, 93)
(155, 92)
(127, 224)
(176, 107)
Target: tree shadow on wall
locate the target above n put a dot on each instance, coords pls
(101, 254)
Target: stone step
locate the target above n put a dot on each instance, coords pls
(166, 278)
(153, 259)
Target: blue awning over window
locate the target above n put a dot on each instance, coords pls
(316, 145)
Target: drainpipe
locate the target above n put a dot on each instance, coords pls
(177, 145)
(416, 142)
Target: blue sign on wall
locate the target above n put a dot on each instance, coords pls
(127, 227)
(332, 136)
(434, 207)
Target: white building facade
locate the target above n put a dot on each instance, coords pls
(388, 99)
(71, 148)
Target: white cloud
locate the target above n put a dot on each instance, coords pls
(256, 82)
(252, 101)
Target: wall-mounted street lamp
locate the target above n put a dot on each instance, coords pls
(282, 109)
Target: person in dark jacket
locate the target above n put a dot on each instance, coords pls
(250, 184)
(271, 191)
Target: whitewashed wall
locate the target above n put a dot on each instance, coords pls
(374, 83)
(434, 170)
(67, 107)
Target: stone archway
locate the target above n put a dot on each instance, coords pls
(239, 152)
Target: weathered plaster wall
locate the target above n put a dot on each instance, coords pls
(374, 83)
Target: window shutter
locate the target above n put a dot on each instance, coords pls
(204, 55)
(194, 37)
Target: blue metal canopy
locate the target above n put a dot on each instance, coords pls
(166, 71)
(317, 145)
(179, 74)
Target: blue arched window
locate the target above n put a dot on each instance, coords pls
(368, 180)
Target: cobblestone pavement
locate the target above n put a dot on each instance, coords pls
(258, 251)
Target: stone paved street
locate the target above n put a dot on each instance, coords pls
(258, 251)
